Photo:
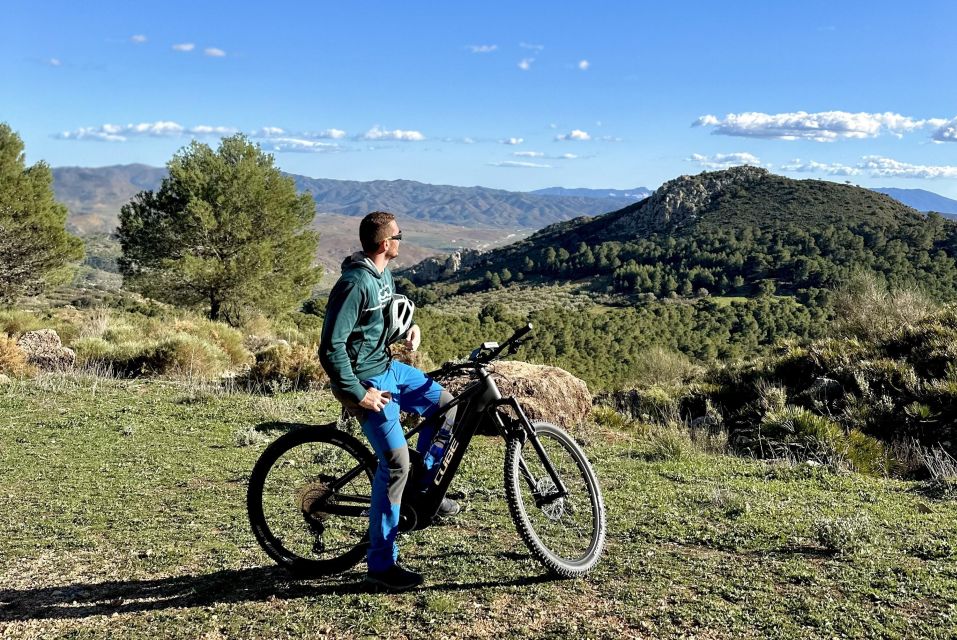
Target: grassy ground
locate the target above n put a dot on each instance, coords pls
(122, 515)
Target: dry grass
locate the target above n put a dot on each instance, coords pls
(12, 359)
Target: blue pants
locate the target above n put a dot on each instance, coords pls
(414, 392)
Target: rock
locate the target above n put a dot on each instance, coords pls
(44, 349)
(5, 379)
(431, 269)
(545, 393)
(684, 199)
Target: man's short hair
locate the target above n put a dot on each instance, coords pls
(373, 229)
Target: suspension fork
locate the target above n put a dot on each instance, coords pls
(529, 431)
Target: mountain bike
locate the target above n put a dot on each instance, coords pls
(309, 492)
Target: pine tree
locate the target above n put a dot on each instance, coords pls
(226, 232)
(35, 248)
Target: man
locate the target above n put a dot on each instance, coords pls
(373, 386)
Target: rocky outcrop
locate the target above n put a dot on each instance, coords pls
(44, 350)
(432, 269)
(683, 199)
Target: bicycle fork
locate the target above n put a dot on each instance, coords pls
(528, 434)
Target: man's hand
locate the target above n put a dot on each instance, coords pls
(375, 400)
(414, 337)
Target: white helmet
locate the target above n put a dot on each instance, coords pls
(398, 318)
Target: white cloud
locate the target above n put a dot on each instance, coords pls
(468, 140)
(532, 47)
(528, 154)
(298, 145)
(513, 141)
(568, 156)
(875, 167)
(520, 165)
(831, 169)
(825, 126)
(482, 48)
(377, 133)
(184, 46)
(881, 167)
(213, 52)
(583, 65)
(207, 130)
(574, 134)
(54, 62)
(139, 38)
(158, 129)
(279, 132)
(946, 132)
(526, 63)
(725, 160)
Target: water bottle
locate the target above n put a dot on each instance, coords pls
(437, 450)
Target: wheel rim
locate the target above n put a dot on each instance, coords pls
(567, 527)
(295, 492)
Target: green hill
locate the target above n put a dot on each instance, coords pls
(741, 231)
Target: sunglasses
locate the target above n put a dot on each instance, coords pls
(397, 236)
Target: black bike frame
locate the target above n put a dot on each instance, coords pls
(479, 402)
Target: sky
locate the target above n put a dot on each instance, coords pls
(512, 95)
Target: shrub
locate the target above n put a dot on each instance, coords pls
(800, 434)
(185, 355)
(284, 367)
(224, 337)
(670, 443)
(844, 536)
(12, 359)
(661, 366)
(865, 308)
(14, 322)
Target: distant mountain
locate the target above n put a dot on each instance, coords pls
(922, 200)
(467, 206)
(94, 197)
(638, 193)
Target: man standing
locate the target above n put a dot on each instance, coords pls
(373, 387)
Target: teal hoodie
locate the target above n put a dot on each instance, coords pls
(353, 345)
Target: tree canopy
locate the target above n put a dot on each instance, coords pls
(35, 247)
(226, 233)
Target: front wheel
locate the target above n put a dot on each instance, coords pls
(308, 500)
(566, 534)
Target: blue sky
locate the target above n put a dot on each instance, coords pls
(512, 95)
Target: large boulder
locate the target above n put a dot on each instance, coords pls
(545, 393)
(44, 349)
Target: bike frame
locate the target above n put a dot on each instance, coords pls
(480, 403)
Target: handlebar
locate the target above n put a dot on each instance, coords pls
(486, 353)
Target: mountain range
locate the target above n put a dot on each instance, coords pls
(94, 197)
(638, 193)
(922, 200)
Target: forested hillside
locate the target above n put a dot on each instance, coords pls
(742, 231)
(716, 266)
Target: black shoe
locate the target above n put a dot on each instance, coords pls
(395, 578)
(448, 508)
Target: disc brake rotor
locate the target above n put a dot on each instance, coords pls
(555, 509)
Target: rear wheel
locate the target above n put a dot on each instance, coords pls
(566, 534)
(308, 500)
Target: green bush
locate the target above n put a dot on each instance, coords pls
(670, 443)
(844, 536)
(285, 367)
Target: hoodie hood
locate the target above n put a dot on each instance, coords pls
(359, 260)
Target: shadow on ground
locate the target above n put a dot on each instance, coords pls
(232, 585)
